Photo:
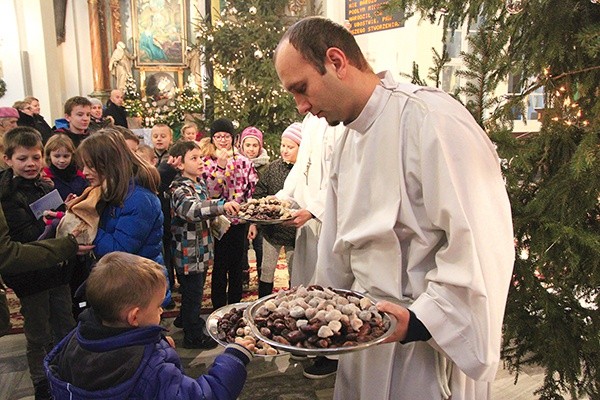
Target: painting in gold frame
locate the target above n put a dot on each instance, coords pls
(159, 32)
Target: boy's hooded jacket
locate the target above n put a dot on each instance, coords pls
(98, 362)
(192, 242)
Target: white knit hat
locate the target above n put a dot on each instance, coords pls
(293, 132)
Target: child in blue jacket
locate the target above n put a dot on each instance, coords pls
(118, 350)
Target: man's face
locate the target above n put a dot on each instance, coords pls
(116, 96)
(318, 94)
(6, 124)
(79, 119)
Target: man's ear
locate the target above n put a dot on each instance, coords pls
(337, 58)
(132, 316)
(7, 160)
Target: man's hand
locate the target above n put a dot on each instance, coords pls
(252, 232)
(300, 217)
(402, 316)
(84, 249)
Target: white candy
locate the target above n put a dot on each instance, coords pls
(335, 326)
(297, 312)
(325, 332)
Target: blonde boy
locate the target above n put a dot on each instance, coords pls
(119, 349)
(162, 138)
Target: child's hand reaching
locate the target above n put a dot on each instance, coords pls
(231, 207)
(222, 157)
(171, 342)
(174, 162)
(247, 343)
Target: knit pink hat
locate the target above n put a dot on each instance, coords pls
(293, 132)
(8, 112)
(252, 132)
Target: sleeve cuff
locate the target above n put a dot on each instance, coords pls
(416, 330)
(240, 352)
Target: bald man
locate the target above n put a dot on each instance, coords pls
(115, 109)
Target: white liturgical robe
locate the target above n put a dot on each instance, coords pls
(417, 213)
(306, 184)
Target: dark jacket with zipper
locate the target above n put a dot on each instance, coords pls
(16, 194)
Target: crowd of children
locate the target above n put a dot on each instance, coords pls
(155, 210)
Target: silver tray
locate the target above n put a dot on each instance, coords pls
(266, 221)
(213, 331)
(253, 307)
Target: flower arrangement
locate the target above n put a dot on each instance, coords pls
(170, 111)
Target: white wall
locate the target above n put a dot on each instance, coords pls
(53, 73)
(10, 54)
(393, 49)
(76, 53)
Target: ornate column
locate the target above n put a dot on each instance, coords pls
(115, 18)
(98, 41)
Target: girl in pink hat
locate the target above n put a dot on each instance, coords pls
(251, 145)
(277, 237)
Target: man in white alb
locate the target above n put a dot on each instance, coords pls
(416, 215)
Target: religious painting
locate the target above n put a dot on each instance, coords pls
(159, 32)
(160, 84)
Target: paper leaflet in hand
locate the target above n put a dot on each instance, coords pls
(51, 201)
(218, 226)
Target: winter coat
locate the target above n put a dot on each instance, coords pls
(235, 182)
(134, 227)
(98, 123)
(16, 194)
(118, 113)
(261, 162)
(192, 242)
(98, 362)
(75, 137)
(270, 183)
(16, 257)
(68, 180)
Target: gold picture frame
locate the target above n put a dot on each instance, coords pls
(159, 82)
(159, 32)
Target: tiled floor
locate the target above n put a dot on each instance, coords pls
(275, 378)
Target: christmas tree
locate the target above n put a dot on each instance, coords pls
(239, 48)
(553, 177)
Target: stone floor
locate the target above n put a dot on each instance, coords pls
(273, 378)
